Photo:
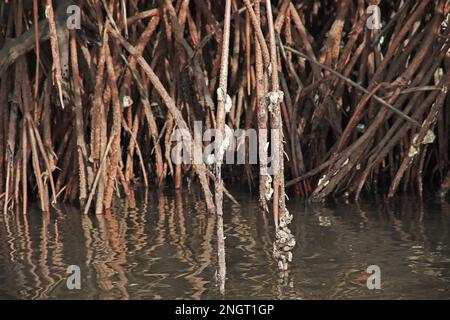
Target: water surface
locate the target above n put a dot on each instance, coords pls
(165, 249)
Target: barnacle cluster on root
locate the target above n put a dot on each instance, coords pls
(284, 242)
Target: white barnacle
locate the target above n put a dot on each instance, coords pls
(210, 159)
(361, 127)
(345, 162)
(412, 151)
(444, 23)
(269, 193)
(268, 187)
(291, 242)
(280, 96)
(269, 69)
(228, 104)
(288, 216)
(289, 256)
(47, 11)
(429, 137)
(316, 98)
(275, 97)
(220, 94)
(321, 179)
(280, 265)
(126, 101)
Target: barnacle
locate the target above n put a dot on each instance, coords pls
(220, 94)
(429, 137)
(412, 151)
(268, 187)
(127, 101)
(228, 104)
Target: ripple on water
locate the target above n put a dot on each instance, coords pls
(165, 249)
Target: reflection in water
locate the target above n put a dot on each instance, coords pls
(163, 245)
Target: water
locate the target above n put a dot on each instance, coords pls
(165, 249)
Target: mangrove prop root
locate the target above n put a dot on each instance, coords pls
(87, 113)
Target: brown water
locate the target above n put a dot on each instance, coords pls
(165, 248)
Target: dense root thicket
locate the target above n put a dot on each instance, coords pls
(86, 114)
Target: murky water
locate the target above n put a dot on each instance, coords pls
(165, 248)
